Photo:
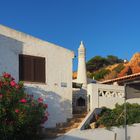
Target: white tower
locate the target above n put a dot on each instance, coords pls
(82, 73)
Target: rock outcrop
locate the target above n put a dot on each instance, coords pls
(135, 63)
(133, 66)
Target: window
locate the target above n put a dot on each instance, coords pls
(77, 85)
(63, 84)
(31, 68)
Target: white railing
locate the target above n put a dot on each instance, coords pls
(110, 93)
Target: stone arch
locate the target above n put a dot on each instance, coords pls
(81, 102)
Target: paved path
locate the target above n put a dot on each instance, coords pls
(89, 134)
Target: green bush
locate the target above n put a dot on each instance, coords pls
(100, 74)
(21, 115)
(119, 68)
(116, 116)
(90, 75)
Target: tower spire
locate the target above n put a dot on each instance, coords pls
(81, 45)
(82, 74)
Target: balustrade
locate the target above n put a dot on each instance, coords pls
(110, 93)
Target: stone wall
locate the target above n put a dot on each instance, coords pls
(79, 94)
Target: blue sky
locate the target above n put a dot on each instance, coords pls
(106, 26)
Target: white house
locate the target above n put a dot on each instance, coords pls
(45, 68)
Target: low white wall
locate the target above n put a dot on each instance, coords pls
(104, 134)
(102, 95)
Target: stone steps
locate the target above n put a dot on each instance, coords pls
(63, 128)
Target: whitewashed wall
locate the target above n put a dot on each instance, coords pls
(102, 95)
(104, 134)
(58, 69)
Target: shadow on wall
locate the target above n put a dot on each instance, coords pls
(9, 55)
(59, 109)
(129, 138)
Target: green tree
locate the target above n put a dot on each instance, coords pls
(113, 59)
(99, 62)
(100, 74)
(96, 63)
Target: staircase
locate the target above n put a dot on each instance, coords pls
(61, 129)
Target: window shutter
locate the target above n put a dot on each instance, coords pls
(25, 68)
(39, 69)
(31, 68)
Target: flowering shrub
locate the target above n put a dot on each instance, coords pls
(21, 115)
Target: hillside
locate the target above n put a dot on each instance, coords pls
(110, 67)
(98, 62)
(117, 69)
(99, 67)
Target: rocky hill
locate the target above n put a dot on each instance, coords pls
(111, 67)
(127, 68)
(133, 66)
(99, 67)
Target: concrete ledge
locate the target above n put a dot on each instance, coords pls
(88, 118)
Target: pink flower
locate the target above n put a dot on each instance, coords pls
(33, 104)
(44, 119)
(23, 100)
(40, 100)
(5, 83)
(46, 114)
(46, 105)
(1, 96)
(6, 75)
(17, 86)
(12, 78)
(13, 83)
(17, 110)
